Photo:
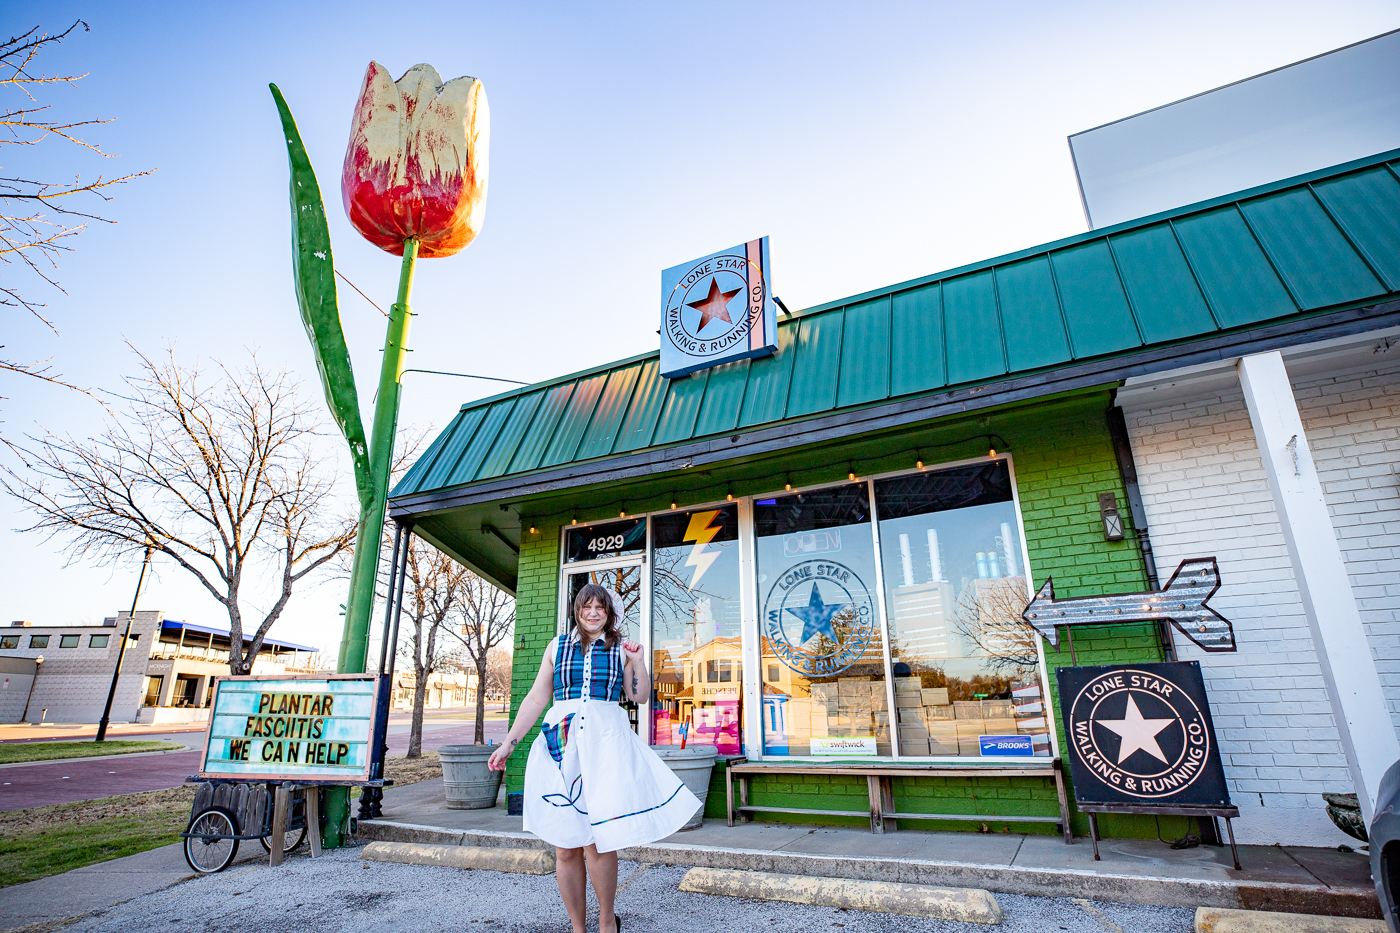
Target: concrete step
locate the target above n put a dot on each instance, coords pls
(1229, 889)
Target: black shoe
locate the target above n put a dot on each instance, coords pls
(617, 921)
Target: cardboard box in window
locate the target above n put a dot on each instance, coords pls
(939, 712)
(912, 731)
(934, 696)
(882, 719)
(913, 746)
(996, 709)
(970, 727)
(967, 709)
(908, 685)
(910, 714)
(970, 747)
(861, 702)
(878, 697)
(945, 730)
(853, 687)
(936, 747)
(908, 701)
(883, 748)
(819, 727)
(824, 692)
(1000, 727)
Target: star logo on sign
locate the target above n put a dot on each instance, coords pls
(816, 616)
(1137, 732)
(714, 305)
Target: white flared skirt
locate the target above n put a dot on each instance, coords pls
(591, 779)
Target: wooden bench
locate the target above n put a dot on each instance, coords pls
(879, 777)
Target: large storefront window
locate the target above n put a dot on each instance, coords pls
(878, 618)
(822, 654)
(966, 665)
(697, 652)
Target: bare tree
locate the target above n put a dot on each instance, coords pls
(37, 218)
(217, 474)
(488, 618)
(988, 612)
(435, 588)
(498, 667)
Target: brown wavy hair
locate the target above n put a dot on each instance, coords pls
(612, 629)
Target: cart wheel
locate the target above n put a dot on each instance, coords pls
(290, 841)
(203, 851)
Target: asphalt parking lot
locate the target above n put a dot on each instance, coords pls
(339, 892)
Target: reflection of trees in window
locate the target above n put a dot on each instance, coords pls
(988, 614)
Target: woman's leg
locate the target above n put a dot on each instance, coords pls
(572, 876)
(602, 871)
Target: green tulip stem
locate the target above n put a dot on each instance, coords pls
(354, 643)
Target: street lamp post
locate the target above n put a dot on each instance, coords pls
(121, 649)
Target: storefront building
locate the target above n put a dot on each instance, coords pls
(826, 551)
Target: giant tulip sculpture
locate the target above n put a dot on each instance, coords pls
(413, 184)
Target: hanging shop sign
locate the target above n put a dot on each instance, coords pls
(718, 309)
(1141, 735)
(1182, 602)
(291, 728)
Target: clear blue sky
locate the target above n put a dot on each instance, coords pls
(874, 142)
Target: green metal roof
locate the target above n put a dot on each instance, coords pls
(1316, 242)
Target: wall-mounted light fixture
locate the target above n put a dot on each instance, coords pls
(1112, 521)
(534, 530)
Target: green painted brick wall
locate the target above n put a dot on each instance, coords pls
(536, 621)
(1063, 458)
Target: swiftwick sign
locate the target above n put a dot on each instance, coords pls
(313, 728)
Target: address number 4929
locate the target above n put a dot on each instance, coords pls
(608, 543)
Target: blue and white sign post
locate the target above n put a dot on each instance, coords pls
(718, 309)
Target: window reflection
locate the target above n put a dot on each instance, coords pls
(824, 690)
(966, 664)
(695, 612)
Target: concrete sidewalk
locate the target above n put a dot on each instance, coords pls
(1293, 879)
(85, 890)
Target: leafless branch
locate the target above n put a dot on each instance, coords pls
(216, 472)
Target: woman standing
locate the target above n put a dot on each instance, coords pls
(591, 785)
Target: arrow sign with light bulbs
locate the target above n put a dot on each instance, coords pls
(1181, 602)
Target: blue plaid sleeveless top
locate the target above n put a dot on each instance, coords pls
(604, 669)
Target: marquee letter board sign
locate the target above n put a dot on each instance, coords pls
(1141, 735)
(718, 309)
(291, 728)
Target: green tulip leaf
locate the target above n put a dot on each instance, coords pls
(314, 272)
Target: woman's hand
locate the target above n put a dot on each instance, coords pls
(633, 650)
(497, 761)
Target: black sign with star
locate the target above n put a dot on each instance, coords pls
(1141, 734)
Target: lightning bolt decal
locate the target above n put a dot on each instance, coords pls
(701, 533)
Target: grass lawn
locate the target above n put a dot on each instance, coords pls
(48, 840)
(11, 752)
(44, 841)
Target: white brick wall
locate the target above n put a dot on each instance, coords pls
(1205, 493)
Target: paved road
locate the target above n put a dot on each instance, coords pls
(45, 783)
(338, 892)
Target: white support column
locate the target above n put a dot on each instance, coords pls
(1349, 671)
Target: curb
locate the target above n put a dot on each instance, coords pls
(967, 905)
(1217, 920)
(1037, 882)
(521, 861)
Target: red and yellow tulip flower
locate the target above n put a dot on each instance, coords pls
(416, 165)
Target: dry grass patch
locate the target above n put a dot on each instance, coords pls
(11, 752)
